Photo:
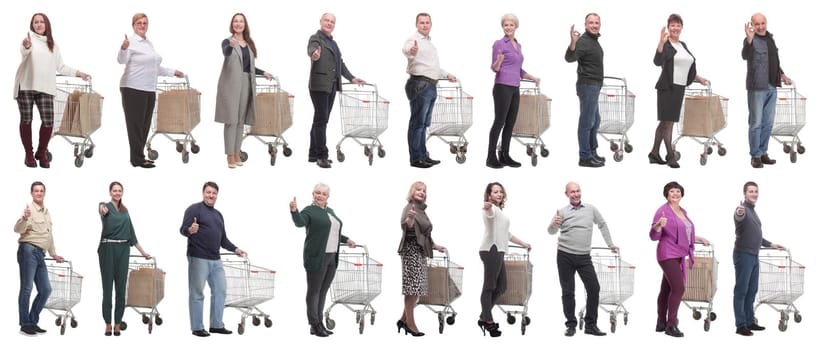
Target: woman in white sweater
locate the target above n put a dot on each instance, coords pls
(495, 243)
(36, 83)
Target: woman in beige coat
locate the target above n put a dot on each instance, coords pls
(235, 94)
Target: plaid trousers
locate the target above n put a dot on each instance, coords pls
(26, 99)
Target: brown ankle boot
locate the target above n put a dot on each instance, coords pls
(42, 148)
(25, 136)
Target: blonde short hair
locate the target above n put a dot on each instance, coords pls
(412, 188)
(138, 17)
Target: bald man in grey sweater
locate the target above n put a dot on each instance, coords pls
(576, 224)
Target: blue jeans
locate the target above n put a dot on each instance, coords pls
(746, 267)
(421, 95)
(33, 271)
(199, 271)
(761, 111)
(589, 120)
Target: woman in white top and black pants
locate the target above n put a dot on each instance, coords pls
(138, 87)
(679, 71)
(35, 83)
(494, 245)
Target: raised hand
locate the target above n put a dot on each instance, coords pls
(103, 209)
(557, 219)
(487, 205)
(749, 31)
(194, 227)
(316, 54)
(293, 206)
(414, 48)
(573, 34)
(27, 41)
(741, 209)
(26, 213)
(664, 35)
(125, 43)
(233, 42)
(411, 213)
(663, 220)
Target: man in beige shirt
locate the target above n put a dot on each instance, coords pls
(34, 227)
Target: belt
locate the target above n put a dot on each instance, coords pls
(423, 78)
(106, 240)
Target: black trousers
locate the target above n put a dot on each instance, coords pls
(138, 106)
(507, 103)
(494, 280)
(567, 266)
(322, 106)
(318, 283)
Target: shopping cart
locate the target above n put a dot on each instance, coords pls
(703, 115)
(451, 118)
(781, 282)
(77, 114)
(789, 120)
(515, 300)
(533, 120)
(357, 283)
(445, 281)
(175, 116)
(247, 287)
(363, 117)
(66, 290)
(616, 278)
(146, 288)
(616, 105)
(274, 115)
(701, 284)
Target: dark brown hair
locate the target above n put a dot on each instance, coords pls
(675, 18)
(119, 206)
(245, 34)
(671, 185)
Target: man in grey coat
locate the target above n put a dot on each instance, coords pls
(326, 71)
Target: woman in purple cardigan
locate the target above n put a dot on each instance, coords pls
(675, 233)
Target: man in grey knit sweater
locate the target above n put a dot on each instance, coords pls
(576, 224)
(746, 259)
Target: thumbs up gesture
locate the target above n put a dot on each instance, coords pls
(741, 208)
(557, 220)
(233, 42)
(411, 213)
(194, 227)
(26, 213)
(27, 41)
(125, 43)
(663, 35)
(663, 220)
(316, 54)
(414, 48)
(293, 206)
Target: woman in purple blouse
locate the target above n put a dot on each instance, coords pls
(675, 233)
(507, 63)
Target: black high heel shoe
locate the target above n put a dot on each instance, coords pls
(401, 325)
(494, 329)
(410, 331)
(482, 326)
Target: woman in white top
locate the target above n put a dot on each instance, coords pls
(679, 69)
(494, 245)
(35, 83)
(138, 86)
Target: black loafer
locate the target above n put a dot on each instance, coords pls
(660, 327)
(674, 332)
(41, 331)
(570, 331)
(744, 331)
(593, 330)
(220, 330)
(420, 164)
(323, 163)
(590, 163)
(432, 161)
(753, 327)
(318, 331)
(201, 333)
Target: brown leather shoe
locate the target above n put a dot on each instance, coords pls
(767, 160)
(756, 162)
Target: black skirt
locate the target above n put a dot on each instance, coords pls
(669, 103)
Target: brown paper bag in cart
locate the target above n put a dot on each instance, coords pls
(89, 113)
(146, 287)
(273, 114)
(437, 287)
(69, 122)
(702, 116)
(517, 283)
(533, 115)
(177, 111)
(699, 284)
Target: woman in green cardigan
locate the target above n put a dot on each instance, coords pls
(114, 250)
(321, 244)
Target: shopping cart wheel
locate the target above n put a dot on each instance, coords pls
(721, 151)
(367, 151)
(58, 321)
(460, 158)
(88, 153)
(800, 149)
(179, 147)
(783, 325)
(330, 323)
(340, 156)
(613, 146)
(273, 159)
(628, 148)
(534, 159)
(709, 150)
(267, 322)
(712, 316)
(440, 327)
(453, 149)
(78, 161)
(625, 319)
(145, 319)
(580, 321)
(786, 148)
(158, 320)
(243, 156)
(510, 319)
(703, 159)
(123, 326)
(361, 326)
(707, 325)
(49, 156)
(613, 326)
(76, 150)
(793, 157)
(73, 322)
(241, 329)
(186, 157)
(697, 315)
(678, 155)
(451, 320)
(372, 318)
(256, 321)
(62, 329)
(150, 327)
(381, 152)
(618, 156)
(526, 320)
(522, 328)
(797, 317)
(287, 151)
(529, 150)
(370, 158)
(152, 154)
(194, 148)
(544, 152)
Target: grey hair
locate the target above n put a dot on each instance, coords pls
(321, 185)
(510, 17)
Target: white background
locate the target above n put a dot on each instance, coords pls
(368, 199)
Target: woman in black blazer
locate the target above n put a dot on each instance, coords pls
(679, 70)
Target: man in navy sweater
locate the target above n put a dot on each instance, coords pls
(204, 227)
